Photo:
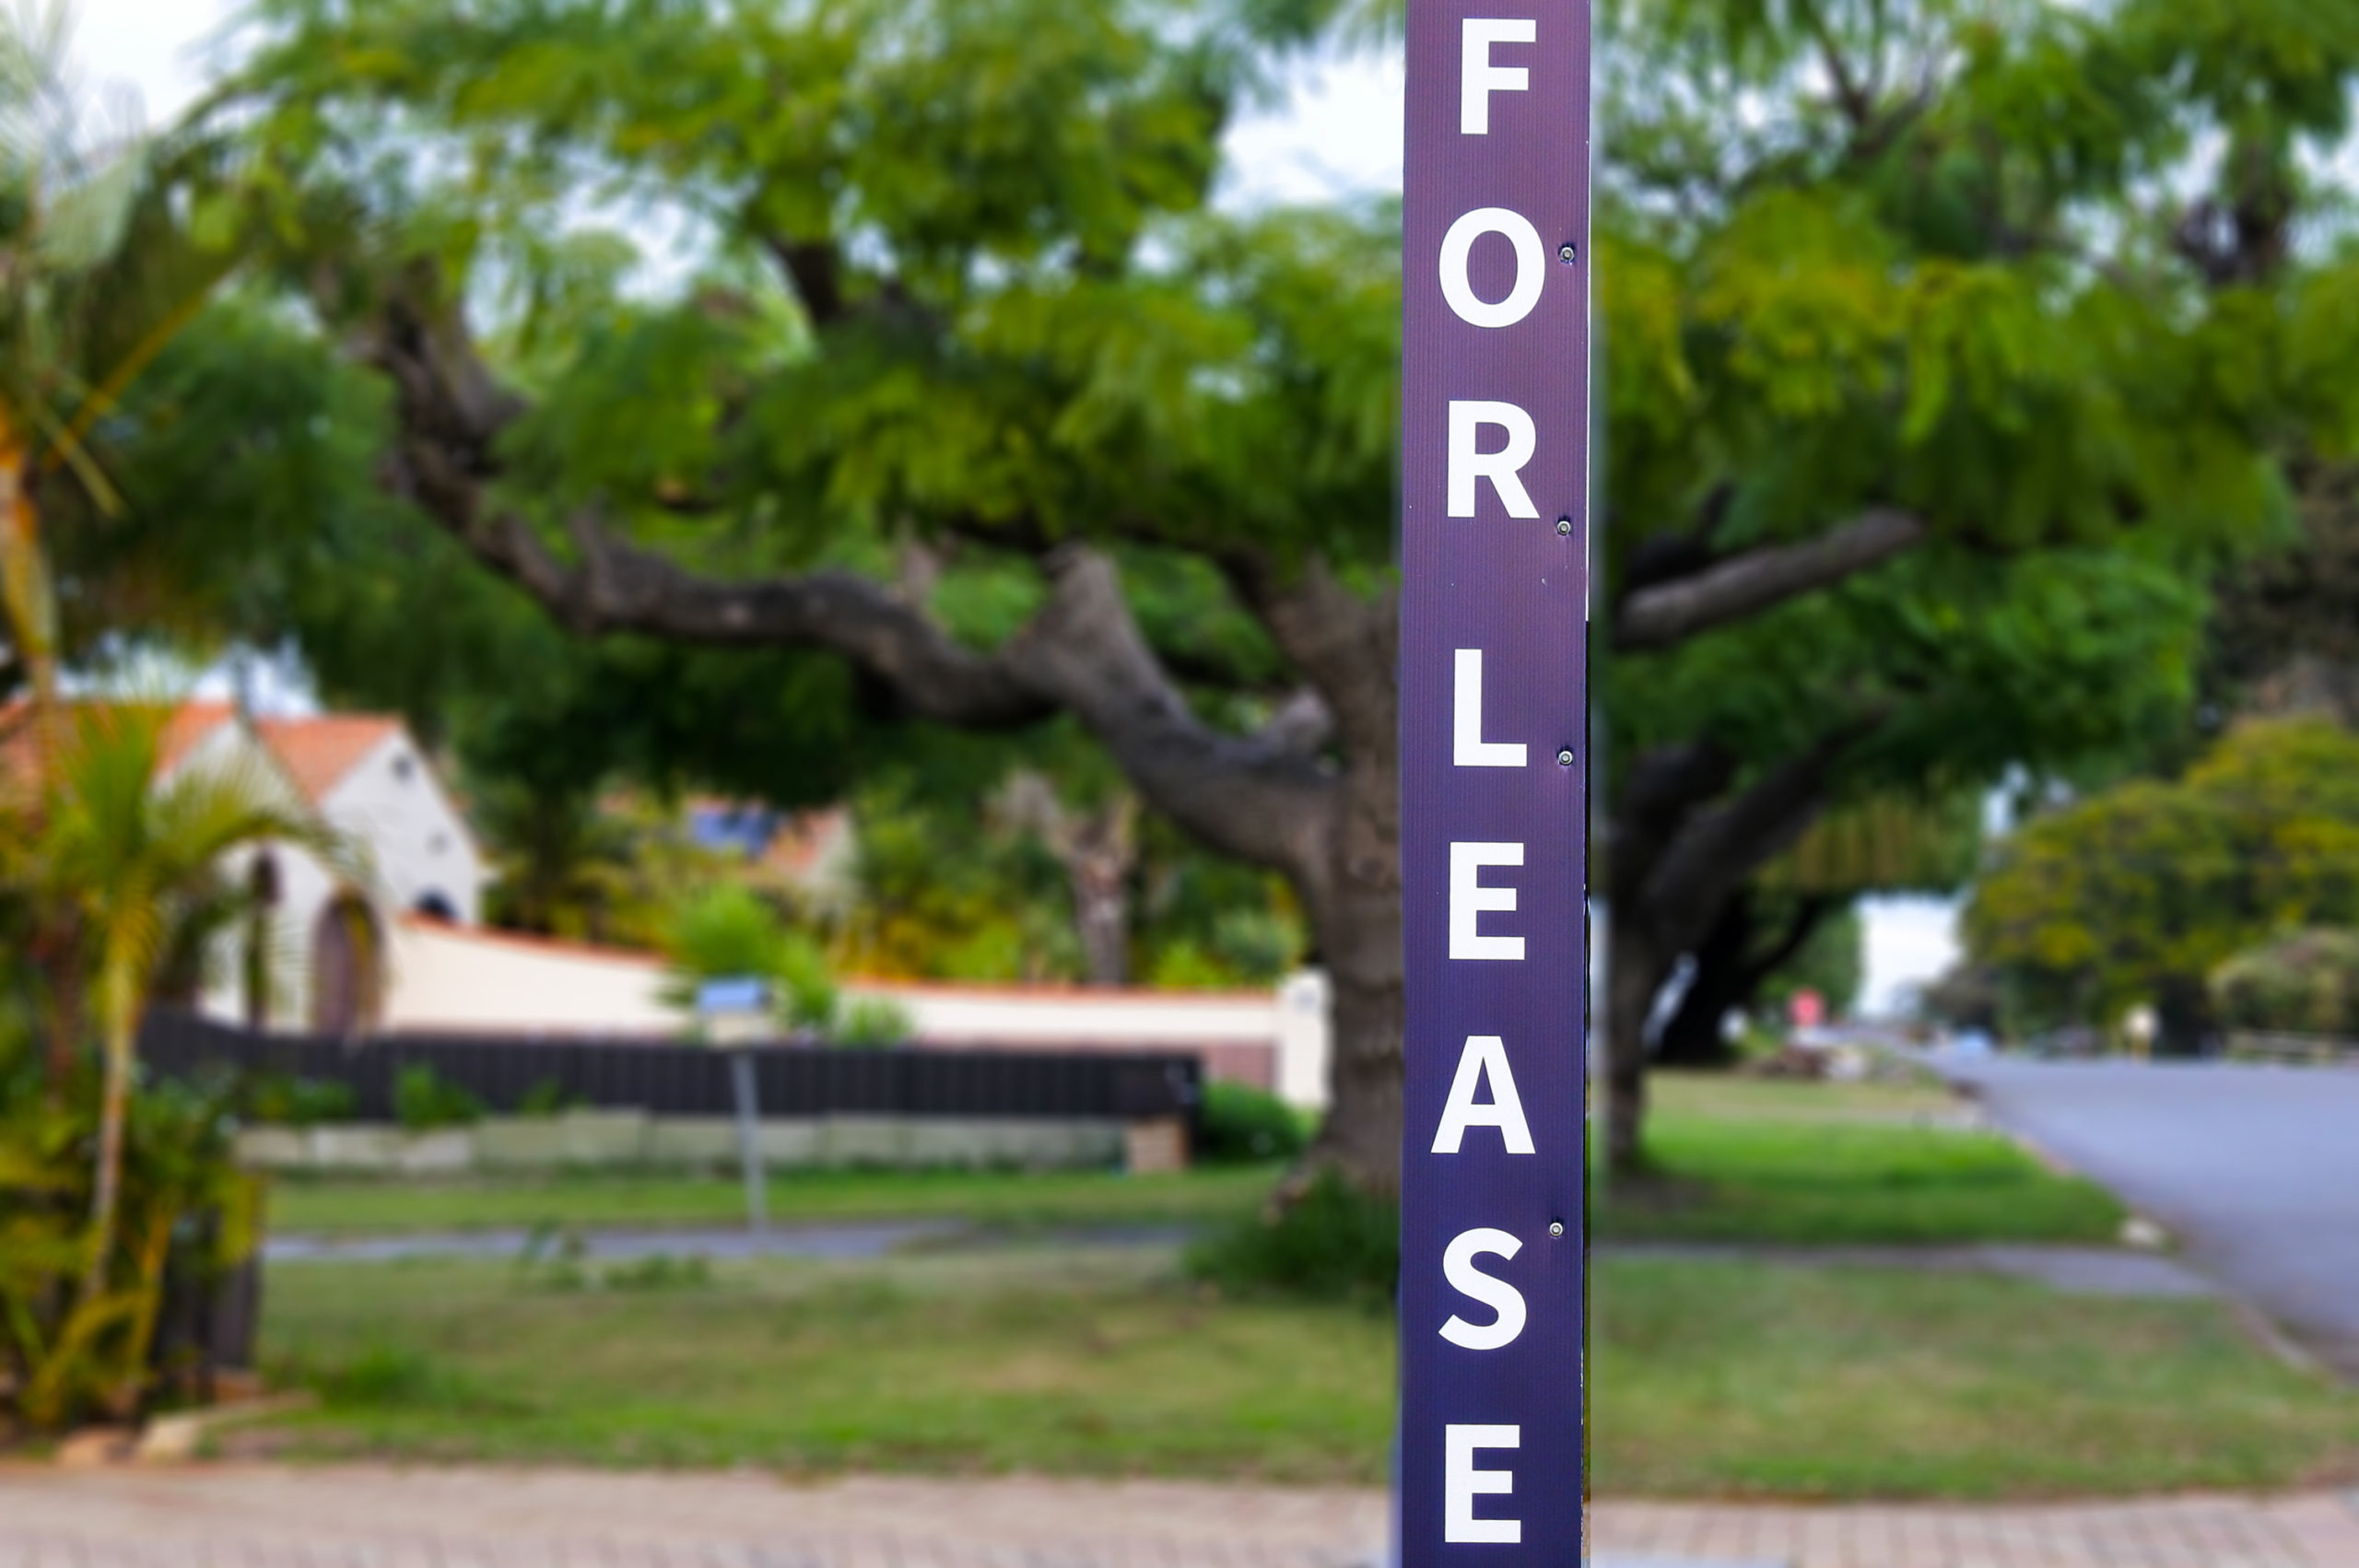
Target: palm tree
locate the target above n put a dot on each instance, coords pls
(102, 262)
(101, 266)
(110, 241)
(131, 861)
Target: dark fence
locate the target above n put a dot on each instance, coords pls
(674, 1078)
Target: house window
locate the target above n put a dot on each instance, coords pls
(438, 843)
(404, 766)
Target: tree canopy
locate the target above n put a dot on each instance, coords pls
(1948, 345)
(2138, 894)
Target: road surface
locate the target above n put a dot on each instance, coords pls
(2255, 1169)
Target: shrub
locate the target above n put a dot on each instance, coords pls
(2306, 982)
(870, 1022)
(66, 1356)
(280, 1099)
(1333, 1243)
(424, 1100)
(728, 932)
(549, 1097)
(1241, 1123)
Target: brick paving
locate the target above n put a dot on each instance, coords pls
(372, 1516)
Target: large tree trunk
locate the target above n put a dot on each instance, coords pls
(1357, 918)
(1686, 836)
(1719, 982)
(1736, 958)
(1636, 970)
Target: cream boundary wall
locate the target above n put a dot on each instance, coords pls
(447, 979)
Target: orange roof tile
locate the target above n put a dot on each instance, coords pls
(188, 726)
(318, 753)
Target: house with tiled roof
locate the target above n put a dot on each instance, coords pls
(368, 778)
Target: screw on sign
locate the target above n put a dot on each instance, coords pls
(1495, 597)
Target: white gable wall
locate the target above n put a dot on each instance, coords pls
(391, 801)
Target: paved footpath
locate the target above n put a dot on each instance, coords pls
(370, 1516)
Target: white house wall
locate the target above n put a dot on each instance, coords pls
(420, 844)
(304, 887)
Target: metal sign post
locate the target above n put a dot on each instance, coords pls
(1494, 738)
(736, 1015)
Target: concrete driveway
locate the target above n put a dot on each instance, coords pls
(2255, 1169)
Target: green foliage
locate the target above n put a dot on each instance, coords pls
(1333, 1243)
(2306, 983)
(67, 1353)
(1833, 962)
(424, 1101)
(2139, 892)
(547, 1098)
(944, 896)
(1239, 1124)
(948, 290)
(948, 889)
(728, 932)
(281, 1099)
(870, 1022)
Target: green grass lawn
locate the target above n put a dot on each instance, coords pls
(1745, 1160)
(1711, 1378)
(1006, 1199)
(1735, 1160)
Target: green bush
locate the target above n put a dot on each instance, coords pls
(871, 1021)
(2306, 982)
(728, 932)
(280, 1099)
(1333, 1243)
(549, 1097)
(69, 1355)
(424, 1100)
(1242, 1125)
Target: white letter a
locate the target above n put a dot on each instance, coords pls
(1485, 1056)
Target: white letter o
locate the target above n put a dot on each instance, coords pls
(1530, 267)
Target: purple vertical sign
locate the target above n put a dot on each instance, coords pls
(1494, 740)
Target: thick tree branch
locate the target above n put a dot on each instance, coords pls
(1759, 580)
(1713, 855)
(1258, 798)
(1347, 645)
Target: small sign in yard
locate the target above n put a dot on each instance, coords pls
(1494, 764)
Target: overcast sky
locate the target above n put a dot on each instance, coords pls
(1339, 133)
